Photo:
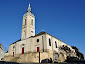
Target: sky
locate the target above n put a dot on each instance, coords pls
(64, 19)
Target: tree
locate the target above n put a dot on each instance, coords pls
(79, 54)
(75, 48)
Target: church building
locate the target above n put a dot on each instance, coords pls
(28, 47)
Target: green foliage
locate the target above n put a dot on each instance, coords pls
(65, 48)
(76, 49)
(79, 54)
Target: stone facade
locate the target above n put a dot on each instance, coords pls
(30, 49)
(27, 57)
(26, 49)
(1, 52)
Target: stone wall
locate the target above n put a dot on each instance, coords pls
(27, 57)
(33, 57)
(1, 52)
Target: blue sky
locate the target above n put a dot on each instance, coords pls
(64, 19)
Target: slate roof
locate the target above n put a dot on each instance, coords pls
(31, 36)
(16, 41)
(41, 33)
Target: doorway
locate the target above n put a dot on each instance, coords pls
(13, 54)
(37, 49)
(23, 50)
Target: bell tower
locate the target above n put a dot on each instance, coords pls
(28, 26)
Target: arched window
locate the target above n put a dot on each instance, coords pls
(14, 51)
(49, 42)
(37, 40)
(55, 44)
(13, 47)
(25, 21)
(32, 22)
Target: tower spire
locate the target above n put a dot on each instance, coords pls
(29, 4)
(29, 8)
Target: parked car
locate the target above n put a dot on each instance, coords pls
(47, 61)
(74, 60)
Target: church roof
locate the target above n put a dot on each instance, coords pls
(16, 41)
(41, 33)
(31, 36)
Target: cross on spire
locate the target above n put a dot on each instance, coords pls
(29, 8)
